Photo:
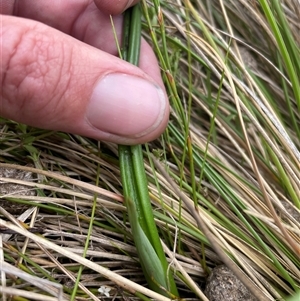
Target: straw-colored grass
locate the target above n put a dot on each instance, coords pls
(223, 179)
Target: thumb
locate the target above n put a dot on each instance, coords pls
(52, 81)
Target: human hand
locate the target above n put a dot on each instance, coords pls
(59, 71)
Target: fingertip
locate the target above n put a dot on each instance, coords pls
(114, 7)
(129, 107)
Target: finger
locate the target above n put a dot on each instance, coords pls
(83, 20)
(114, 7)
(53, 81)
(6, 6)
(148, 63)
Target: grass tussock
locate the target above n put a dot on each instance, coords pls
(223, 179)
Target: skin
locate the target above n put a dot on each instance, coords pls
(52, 55)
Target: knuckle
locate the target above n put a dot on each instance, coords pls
(35, 74)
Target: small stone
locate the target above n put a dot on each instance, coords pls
(222, 285)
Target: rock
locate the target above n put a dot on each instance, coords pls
(222, 285)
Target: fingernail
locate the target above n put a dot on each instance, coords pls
(126, 106)
(129, 3)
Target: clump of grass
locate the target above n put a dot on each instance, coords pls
(235, 126)
(224, 177)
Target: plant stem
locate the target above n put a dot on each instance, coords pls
(135, 186)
